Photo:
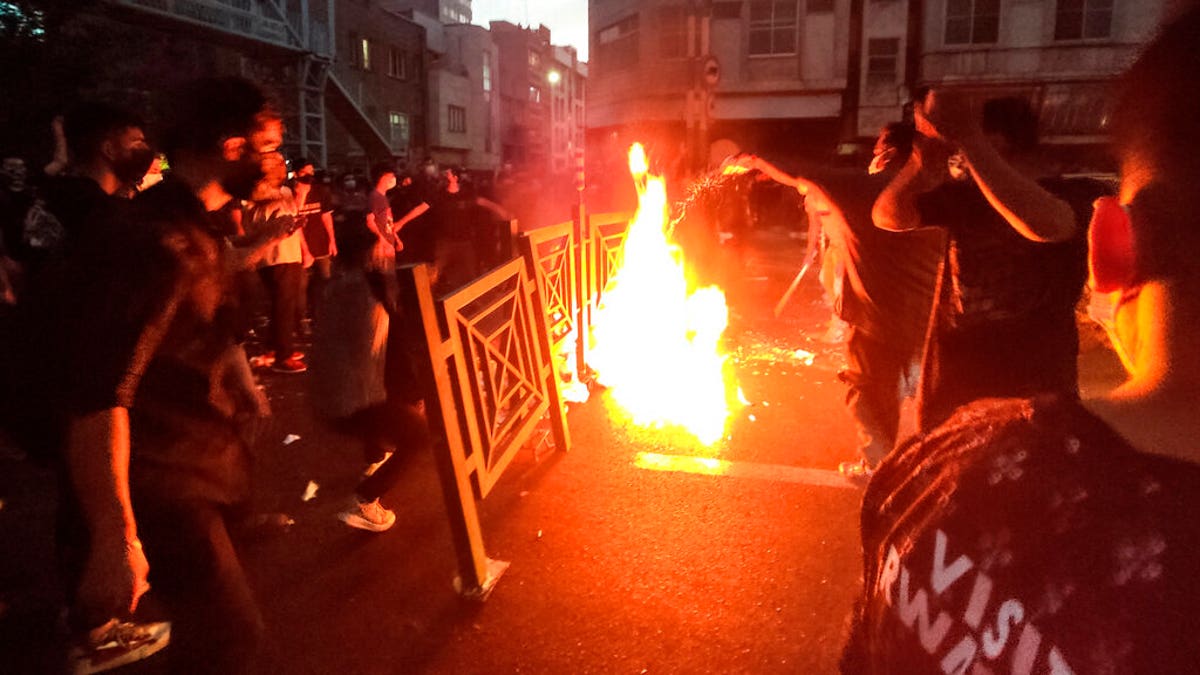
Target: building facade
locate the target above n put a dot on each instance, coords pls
(567, 84)
(464, 108)
(378, 93)
(742, 74)
(811, 77)
(1061, 54)
(525, 56)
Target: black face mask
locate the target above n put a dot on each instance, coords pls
(243, 176)
(130, 168)
(306, 180)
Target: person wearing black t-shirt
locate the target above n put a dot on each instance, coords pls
(449, 229)
(1004, 313)
(886, 284)
(152, 392)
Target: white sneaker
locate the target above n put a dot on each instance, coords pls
(118, 643)
(369, 516)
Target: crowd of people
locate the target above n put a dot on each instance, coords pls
(1021, 529)
(129, 281)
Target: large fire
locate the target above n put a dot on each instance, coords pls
(657, 348)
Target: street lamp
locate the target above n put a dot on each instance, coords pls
(553, 77)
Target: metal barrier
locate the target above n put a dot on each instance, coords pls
(493, 347)
(495, 378)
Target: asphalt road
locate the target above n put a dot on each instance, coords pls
(614, 568)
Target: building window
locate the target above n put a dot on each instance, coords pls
(397, 64)
(363, 53)
(1083, 19)
(815, 6)
(617, 44)
(883, 57)
(773, 25)
(487, 72)
(457, 119)
(398, 126)
(535, 59)
(972, 22)
(672, 32)
(535, 95)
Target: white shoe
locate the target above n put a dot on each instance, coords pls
(370, 516)
(118, 643)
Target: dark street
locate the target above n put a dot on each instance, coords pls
(615, 568)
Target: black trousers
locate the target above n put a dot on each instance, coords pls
(216, 625)
(874, 371)
(283, 282)
(396, 427)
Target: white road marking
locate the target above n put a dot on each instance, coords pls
(709, 466)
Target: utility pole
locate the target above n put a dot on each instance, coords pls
(705, 73)
(851, 95)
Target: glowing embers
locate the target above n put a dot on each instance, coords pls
(657, 348)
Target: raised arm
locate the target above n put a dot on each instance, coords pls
(1032, 211)
(412, 215)
(495, 209)
(752, 162)
(896, 207)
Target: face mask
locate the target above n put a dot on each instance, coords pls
(130, 168)
(305, 180)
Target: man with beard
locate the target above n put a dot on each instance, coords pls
(151, 398)
(109, 155)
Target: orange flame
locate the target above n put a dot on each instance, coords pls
(657, 348)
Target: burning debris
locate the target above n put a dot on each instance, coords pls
(658, 339)
(714, 206)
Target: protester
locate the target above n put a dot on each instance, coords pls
(16, 197)
(1004, 314)
(144, 368)
(362, 379)
(1046, 534)
(314, 209)
(282, 272)
(109, 156)
(379, 210)
(885, 290)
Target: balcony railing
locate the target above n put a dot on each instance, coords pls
(243, 18)
(1027, 63)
